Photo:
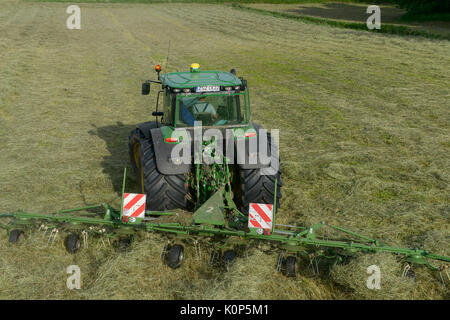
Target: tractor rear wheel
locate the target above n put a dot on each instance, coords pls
(164, 192)
(255, 187)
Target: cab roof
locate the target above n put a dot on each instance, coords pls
(200, 78)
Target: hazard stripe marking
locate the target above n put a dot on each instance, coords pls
(133, 201)
(260, 216)
(255, 223)
(139, 211)
(261, 213)
(134, 205)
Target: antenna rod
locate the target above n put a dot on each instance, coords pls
(123, 190)
(167, 58)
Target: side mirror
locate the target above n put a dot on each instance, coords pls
(146, 88)
(157, 114)
(244, 84)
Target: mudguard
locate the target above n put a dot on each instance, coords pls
(244, 158)
(163, 152)
(250, 159)
(145, 127)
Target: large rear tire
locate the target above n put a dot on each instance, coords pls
(255, 187)
(164, 192)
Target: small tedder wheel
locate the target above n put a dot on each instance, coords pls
(73, 243)
(229, 256)
(15, 236)
(411, 275)
(291, 266)
(175, 256)
(124, 244)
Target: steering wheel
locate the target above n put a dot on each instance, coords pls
(220, 122)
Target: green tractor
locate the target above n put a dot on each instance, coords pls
(193, 103)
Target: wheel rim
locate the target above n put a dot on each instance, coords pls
(180, 258)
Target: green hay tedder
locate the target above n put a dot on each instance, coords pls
(203, 154)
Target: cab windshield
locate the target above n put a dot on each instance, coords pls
(211, 109)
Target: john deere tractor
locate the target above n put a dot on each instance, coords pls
(203, 100)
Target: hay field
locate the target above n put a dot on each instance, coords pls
(364, 139)
(347, 12)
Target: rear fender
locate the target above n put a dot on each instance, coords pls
(250, 160)
(145, 127)
(163, 153)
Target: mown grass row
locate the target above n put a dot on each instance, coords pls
(385, 28)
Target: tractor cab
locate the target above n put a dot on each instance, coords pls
(175, 171)
(207, 98)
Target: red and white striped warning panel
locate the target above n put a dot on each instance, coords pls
(260, 216)
(134, 205)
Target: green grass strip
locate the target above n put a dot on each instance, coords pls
(385, 28)
(207, 1)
